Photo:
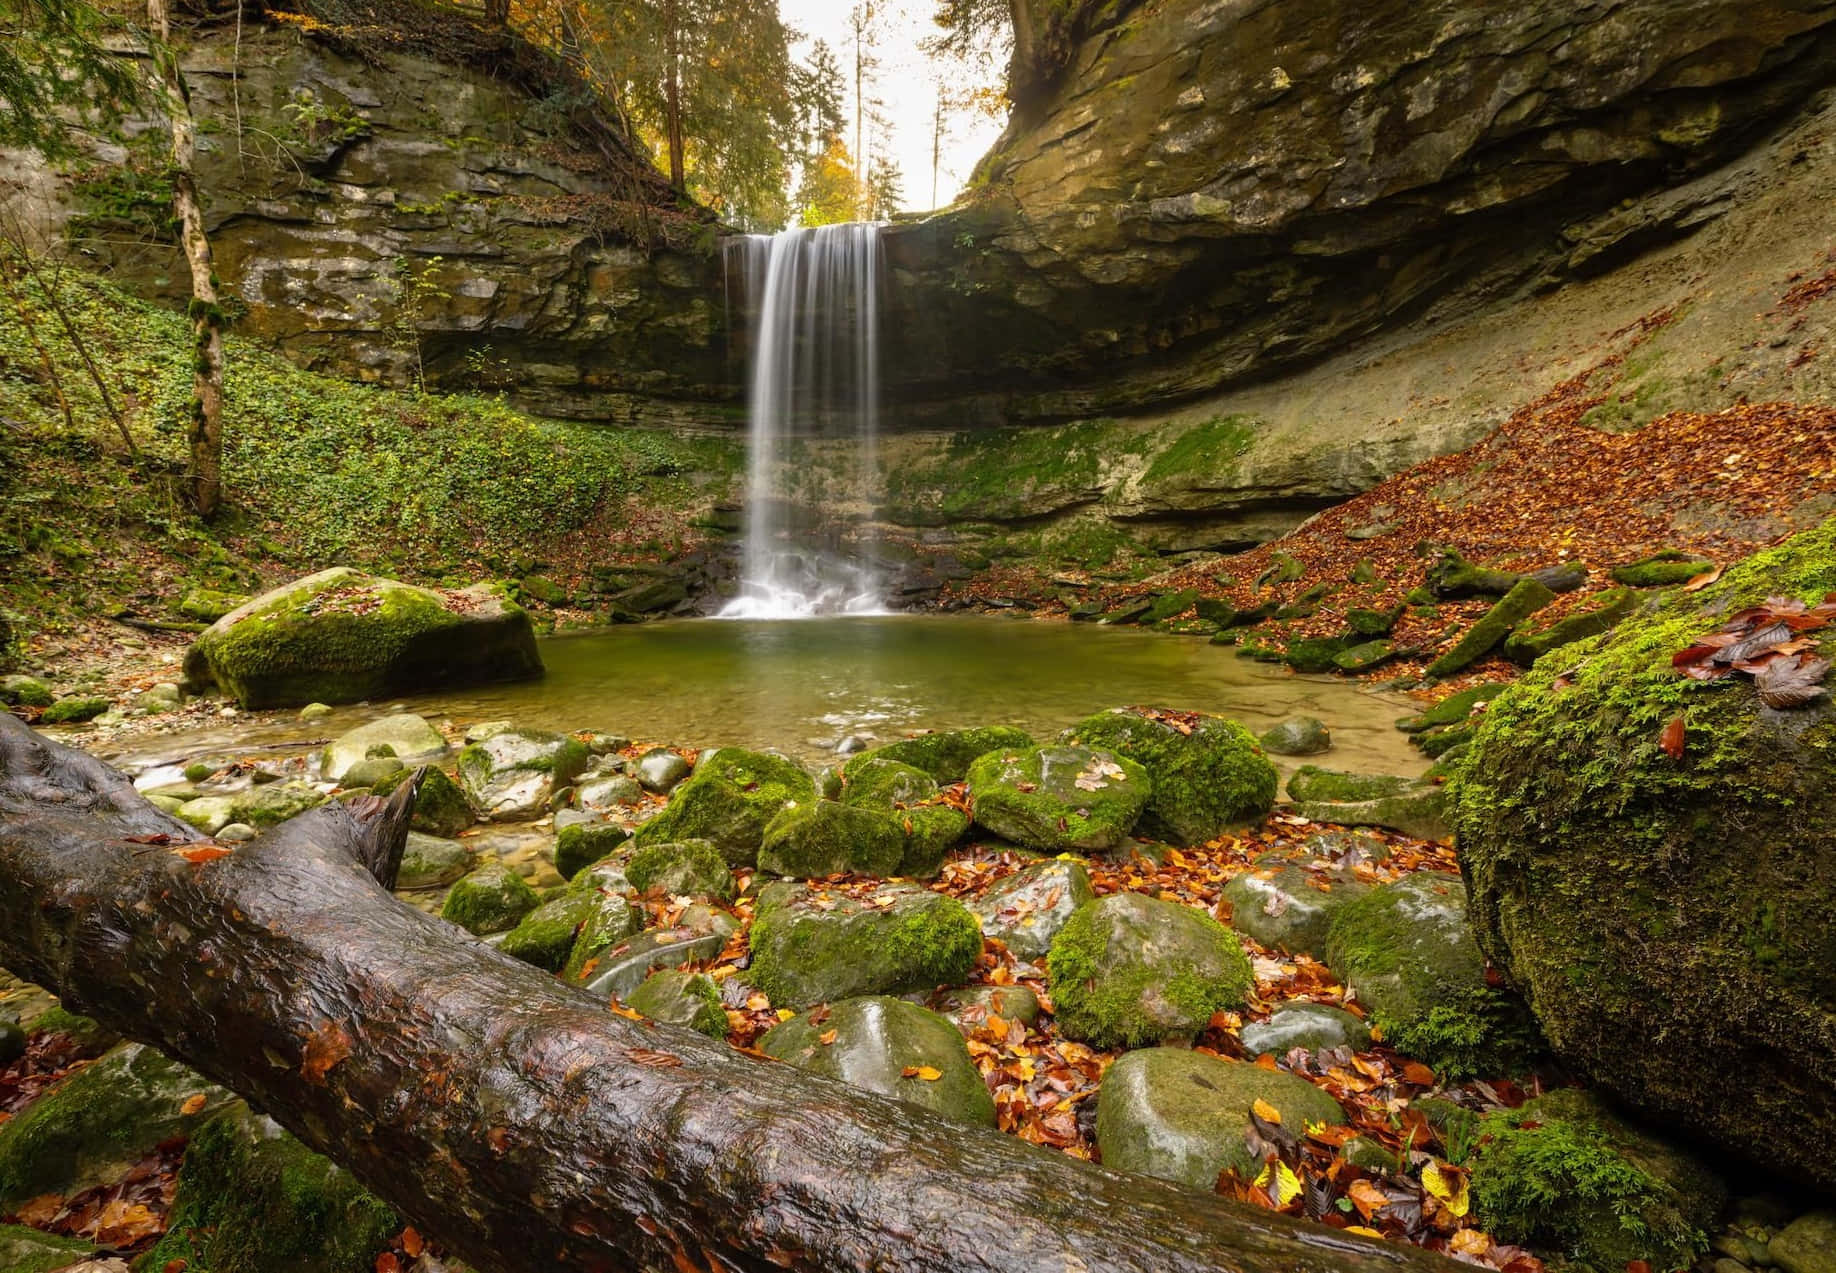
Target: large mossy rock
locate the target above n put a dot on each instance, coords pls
(1310, 1026)
(1181, 1115)
(913, 797)
(1564, 1173)
(491, 899)
(682, 998)
(1208, 773)
(732, 797)
(620, 970)
(1129, 969)
(1407, 952)
(887, 1046)
(1026, 910)
(693, 869)
(945, 755)
(1058, 798)
(94, 1125)
(1287, 908)
(252, 1199)
(402, 736)
(440, 806)
(340, 637)
(825, 838)
(24, 1250)
(516, 774)
(1669, 918)
(810, 948)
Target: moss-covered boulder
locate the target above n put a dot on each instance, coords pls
(206, 605)
(1129, 969)
(1286, 907)
(675, 997)
(515, 774)
(580, 844)
(1665, 569)
(1058, 798)
(815, 947)
(887, 1046)
(1025, 910)
(19, 690)
(100, 1121)
(1451, 576)
(619, 970)
(1407, 952)
(273, 803)
(1336, 786)
(1311, 1026)
(341, 637)
(252, 1199)
(440, 806)
(74, 709)
(876, 781)
(1181, 1115)
(429, 861)
(1564, 1174)
(733, 795)
(1208, 773)
(931, 830)
(612, 921)
(492, 899)
(1296, 736)
(825, 838)
(945, 755)
(24, 1250)
(693, 869)
(929, 824)
(1419, 809)
(1314, 655)
(970, 1007)
(1532, 639)
(545, 936)
(1659, 909)
(1483, 637)
(401, 736)
(1807, 1244)
(1453, 709)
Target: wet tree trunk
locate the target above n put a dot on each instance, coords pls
(514, 1117)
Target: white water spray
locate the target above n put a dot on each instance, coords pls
(813, 296)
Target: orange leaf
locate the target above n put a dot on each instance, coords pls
(325, 1047)
(192, 1104)
(1418, 1074)
(826, 1037)
(1265, 1111)
(929, 1073)
(1672, 739)
(1703, 580)
(412, 1243)
(387, 1263)
(1470, 1242)
(204, 853)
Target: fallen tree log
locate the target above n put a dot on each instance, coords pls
(513, 1116)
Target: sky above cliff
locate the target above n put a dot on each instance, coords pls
(906, 85)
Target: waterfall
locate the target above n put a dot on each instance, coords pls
(812, 296)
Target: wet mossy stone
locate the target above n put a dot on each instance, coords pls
(1283, 567)
(1374, 623)
(813, 947)
(340, 637)
(1056, 798)
(252, 1199)
(440, 806)
(930, 832)
(1296, 736)
(429, 861)
(1128, 612)
(492, 899)
(824, 838)
(660, 770)
(1182, 1115)
(580, 844)
(692, 868)
(604, 793)
(1452, 576)
(274, 803)
(24, 1250)
(542, 590)
(1365, 656)
(74, 710)
(1438, 742)
(1564, 1173)
(1654, 910)
(1419, 810)
(515, 774)
(1406, 950)
(1312, 783)
(1664, 569)
(1453, 709)
(1530, 641)
(1227, 616)
(730, 799)
(403, 737)
(888, 1046)
(1483, 637)
(94, 1125)
(1807, 1244)
(675, 997)
(619, 970)
(1313, 655)
(209, 814)
(945, 755)
(204, 605)
(1168, 605)
(1129, 970)
(1208, 774)
(1278, 906)
(25, 691)
(971, 1006)
(612, 922)
(1315, 1027)
(876, 781)
(365, 774)
(1025, 910)
(545, 936)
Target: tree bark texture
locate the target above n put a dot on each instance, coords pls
(514, 1116)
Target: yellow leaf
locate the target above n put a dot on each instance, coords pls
(1287, 1184)
(1448, 1187)
(785, 1014)
(929, 1073)
(1363, 1232)
(1266, 1112)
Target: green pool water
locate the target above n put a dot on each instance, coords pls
(802, 686)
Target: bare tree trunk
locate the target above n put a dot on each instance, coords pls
(203, 477)
(511, 1115)
(672, 88)
(23, 307)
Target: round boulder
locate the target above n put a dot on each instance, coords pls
(1208, 773)
(730, 799)
(887, 1046)
(1057, 798)
(515, 775)
(1652, 861)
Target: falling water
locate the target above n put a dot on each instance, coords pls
(813, 300)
